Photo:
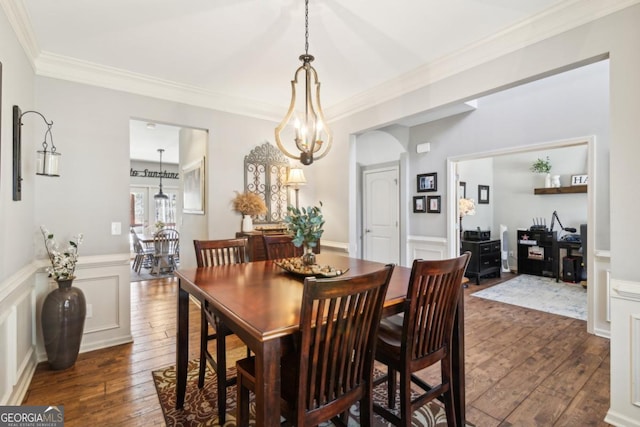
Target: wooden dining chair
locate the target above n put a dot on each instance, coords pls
(213, 253)
(331, 366)
(144, 255)
(166, 244)
(420, 337)
(279, 246)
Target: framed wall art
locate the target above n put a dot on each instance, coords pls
(483, 194)
(193, 196)
(462, 190)
(427, 182)
(419, 204)
(433, 204)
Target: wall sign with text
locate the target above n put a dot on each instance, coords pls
(146, 173)
(579, 179)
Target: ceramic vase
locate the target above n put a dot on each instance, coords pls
(247, 223)
(63, 314)
(547, 181)
(308, 257)
(555, 182)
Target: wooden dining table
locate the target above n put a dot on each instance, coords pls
(260, 303)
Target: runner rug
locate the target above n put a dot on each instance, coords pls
(200, 408)
(540, 293)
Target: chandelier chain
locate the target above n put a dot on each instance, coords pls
(306, 27)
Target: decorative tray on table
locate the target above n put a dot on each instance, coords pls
(296, 266)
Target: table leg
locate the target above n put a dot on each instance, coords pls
(268, 384)
(182, 346)
(457, 356)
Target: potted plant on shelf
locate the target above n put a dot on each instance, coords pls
(64, 308)
(306, 226)
(543, 166)
(249, 205)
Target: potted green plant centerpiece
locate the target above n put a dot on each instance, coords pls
(306, 226)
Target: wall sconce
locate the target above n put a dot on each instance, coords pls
(295, 179)
(48, 159)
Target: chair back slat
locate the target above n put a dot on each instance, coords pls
(220, 252)
(279, 246)
(166, 242)
(339, 321)
(432, 297)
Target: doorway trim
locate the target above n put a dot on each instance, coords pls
(590, 142)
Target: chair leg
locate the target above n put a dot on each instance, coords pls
(242, 400)
(221, 361)
(204, 333)
(391, 388)
(366, 409)
(448, 408)
(447, 374)
(405, 398)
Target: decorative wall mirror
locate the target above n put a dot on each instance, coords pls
(265, 173)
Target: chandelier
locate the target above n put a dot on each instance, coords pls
(304, 123)
(161, 199)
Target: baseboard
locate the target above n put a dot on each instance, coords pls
(621, 420)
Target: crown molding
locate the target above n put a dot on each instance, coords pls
(21, 23)
(553, 21)
(80, 71)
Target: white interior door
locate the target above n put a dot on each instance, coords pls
(381, 239)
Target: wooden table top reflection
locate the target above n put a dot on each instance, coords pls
(260, 303)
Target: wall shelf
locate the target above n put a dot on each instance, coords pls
(561, 190)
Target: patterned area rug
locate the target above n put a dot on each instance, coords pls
(200, 408)
(542, 294)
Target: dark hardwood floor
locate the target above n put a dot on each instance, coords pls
(524, 367)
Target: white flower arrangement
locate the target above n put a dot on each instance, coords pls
(466, 207)
(63, 264)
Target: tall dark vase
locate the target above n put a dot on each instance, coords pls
(63, 314)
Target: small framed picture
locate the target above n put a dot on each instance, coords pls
(427, 182)
(483, 194)
(193, 194)
(462, 190)
(419, 204)
(433, 204)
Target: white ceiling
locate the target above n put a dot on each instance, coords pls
(240, 55)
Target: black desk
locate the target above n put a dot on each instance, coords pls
(557, 259)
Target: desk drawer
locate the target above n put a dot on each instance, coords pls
(489, 247)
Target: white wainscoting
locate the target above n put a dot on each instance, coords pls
(17, 340)
(104, 281)
(421, 247)
(625, 354)
(599, 291)
(331, 246)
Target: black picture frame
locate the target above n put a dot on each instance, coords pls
(433, 204)
(462, 190)
(419, 204)
(427, 182)
(483, 194)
